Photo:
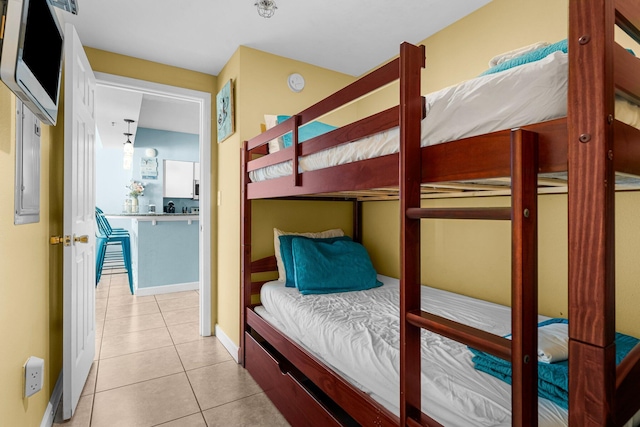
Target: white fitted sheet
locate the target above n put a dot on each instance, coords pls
(357, 335)
(531, 93)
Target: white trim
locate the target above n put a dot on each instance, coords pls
(54, 401)
(165, 289)
(231, 347)
(203, 99)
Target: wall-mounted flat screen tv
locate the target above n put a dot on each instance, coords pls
(31, 56)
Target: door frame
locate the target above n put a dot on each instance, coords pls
(203, 99)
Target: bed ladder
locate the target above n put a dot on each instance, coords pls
(522, 349)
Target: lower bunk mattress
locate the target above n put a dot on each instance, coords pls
(357, 335)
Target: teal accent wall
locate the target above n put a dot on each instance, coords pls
(112, 179)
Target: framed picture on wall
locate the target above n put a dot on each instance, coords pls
(224, 111)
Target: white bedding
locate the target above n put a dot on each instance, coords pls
(357, 334)
(531, 93)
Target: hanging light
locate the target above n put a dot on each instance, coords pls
(128, 147)
(266, 8)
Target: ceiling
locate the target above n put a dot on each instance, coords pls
(351, 37)
(113, 105)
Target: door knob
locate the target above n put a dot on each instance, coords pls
(81, 239)
(56, 240)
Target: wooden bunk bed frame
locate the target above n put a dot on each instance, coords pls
(589, 144)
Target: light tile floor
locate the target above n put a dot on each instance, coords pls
(152, 368)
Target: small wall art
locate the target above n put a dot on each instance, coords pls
(148, 168)
(224, 111)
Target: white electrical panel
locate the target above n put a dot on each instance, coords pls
(27, 184)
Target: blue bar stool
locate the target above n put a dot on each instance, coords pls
(108, 237)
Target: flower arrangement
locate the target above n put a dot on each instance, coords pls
(136, 189)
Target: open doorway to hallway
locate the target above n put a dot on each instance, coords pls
(167, 125)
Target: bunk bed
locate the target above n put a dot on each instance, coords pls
(588, 148)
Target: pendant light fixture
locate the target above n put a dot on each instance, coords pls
(128, 146)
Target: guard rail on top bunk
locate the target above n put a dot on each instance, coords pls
(600, 394)
(367, 174)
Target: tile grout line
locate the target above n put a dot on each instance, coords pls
(195, 396)
(110, 294)
(95, 385)
(183, 367)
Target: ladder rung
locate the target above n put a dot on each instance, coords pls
(474, 337)
(460, 213)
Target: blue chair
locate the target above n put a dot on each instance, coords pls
(100, 214)
(118, 258)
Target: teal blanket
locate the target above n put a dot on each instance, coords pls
(553, 378)
(534, 55)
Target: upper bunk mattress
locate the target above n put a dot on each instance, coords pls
(357, 335)
(527, 94)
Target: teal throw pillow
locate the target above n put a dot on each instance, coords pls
(308, 131)
(287, 254)
(323, 267)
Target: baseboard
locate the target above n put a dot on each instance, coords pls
(54, 401)
(231, 347)
(165, 289)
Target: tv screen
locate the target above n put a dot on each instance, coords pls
(32, 54)
(42, 49)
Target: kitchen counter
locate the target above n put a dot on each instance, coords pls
(155, 217)
(164, 250)
(145, 214)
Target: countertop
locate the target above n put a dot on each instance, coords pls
(156, 217)
(145, 214)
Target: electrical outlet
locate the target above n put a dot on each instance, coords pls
(33, 374)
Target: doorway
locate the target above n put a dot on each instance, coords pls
(202, 101)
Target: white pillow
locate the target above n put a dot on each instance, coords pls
(506, 56)
(282, 276)
(276, 144)
(553, 342)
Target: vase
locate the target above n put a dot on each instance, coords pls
(134, 205)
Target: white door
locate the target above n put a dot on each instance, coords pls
(79, 324)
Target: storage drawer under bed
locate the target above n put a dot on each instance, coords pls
(301, 403)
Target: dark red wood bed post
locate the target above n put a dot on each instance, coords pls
(357, 221)
(592, 374)
(524, 277)
(296, 150)
(412, 60)
(245, 251)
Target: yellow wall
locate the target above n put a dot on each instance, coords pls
(473, 257)
(127, 66)
(260, 81)
(28, 311)
(229, 211)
